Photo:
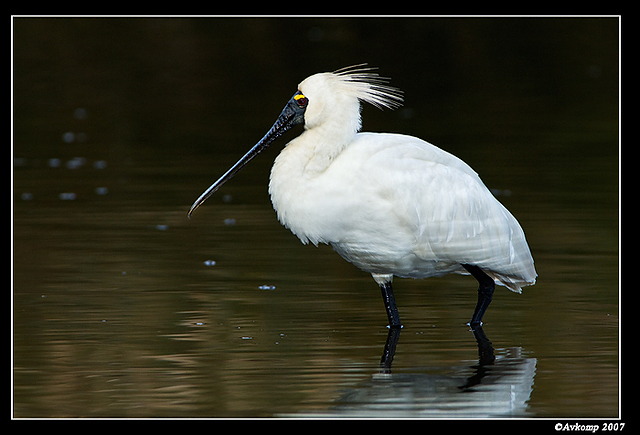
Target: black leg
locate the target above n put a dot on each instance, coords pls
(390, 305)
(485, 293)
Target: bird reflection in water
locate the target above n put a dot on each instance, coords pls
(485, 349)
(496, 386)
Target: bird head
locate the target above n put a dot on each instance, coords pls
(322, 99)
(334, 98)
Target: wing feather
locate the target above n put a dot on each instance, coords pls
(453, 215)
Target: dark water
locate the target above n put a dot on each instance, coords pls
(124, 308)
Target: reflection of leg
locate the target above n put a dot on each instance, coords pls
(485, 348)
(485, 293)
(485, 358)
(389, 349)
(390, 305)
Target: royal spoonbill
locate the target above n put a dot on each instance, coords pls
(390, 204)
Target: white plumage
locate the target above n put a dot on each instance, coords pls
(390, 204)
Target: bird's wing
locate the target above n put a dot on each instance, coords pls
(455, 218)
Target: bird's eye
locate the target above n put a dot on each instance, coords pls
(301, 100)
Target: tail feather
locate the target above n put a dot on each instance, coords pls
(514, 284)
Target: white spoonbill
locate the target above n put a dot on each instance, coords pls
(388, 203)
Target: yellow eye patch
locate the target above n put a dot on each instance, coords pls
(300, 99)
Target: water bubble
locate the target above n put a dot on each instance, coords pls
(67, 196)
(209, 263)
(267, 287)
(101, 190)
(76, 162)
(80, 113)
(68, 137)
(53, 163)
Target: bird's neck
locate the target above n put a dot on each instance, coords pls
(321, 145)
(295, 175)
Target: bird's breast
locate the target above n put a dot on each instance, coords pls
(311, 207)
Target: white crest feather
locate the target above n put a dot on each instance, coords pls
(369, 86)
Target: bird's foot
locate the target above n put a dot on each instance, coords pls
(474, 325)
